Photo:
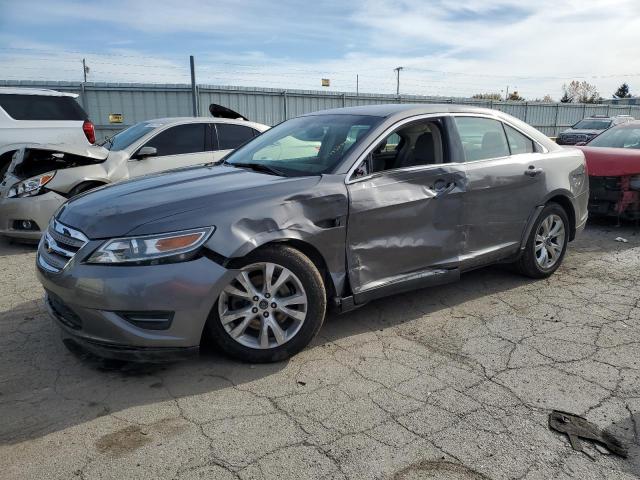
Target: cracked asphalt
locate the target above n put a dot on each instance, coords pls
(454, 382)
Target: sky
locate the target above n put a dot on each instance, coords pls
(445, 48)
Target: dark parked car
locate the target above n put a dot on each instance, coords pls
(589, 128)
(334, 208)
(613, 163)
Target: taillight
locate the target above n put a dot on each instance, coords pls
(89, 130)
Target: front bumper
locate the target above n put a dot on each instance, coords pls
(38, 209)
(92, 303)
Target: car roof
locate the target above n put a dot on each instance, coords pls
(631, 124)
(404, 109)
(35, 91)
(176, 120)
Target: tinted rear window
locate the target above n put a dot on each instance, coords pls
(41, 107)
(231, 136)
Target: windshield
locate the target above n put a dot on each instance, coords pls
(590, 124)
(622, 137)
(122, 140)
(309, 145)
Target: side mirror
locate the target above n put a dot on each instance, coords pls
(145, 152)
(581, 144)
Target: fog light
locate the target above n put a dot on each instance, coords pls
(149, 320)
(28, 225)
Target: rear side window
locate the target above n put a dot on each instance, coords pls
(41, 107)
(482, 138)
(180, 139)
(518, 142)
(232, 136)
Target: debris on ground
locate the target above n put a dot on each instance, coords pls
(577, 427)
(620, 239)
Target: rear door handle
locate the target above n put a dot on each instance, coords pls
(533, 171)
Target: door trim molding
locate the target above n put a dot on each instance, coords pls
(408, 282)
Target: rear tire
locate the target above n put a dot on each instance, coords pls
(260, 321)
(547, 243)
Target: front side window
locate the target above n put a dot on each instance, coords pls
(41, 107)
(482, 138)
(413, 145)
(518, 142)
(232, 136)
(621, 137)
(181, 139)
(308, 145)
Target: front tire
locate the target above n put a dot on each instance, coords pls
(547, 243)
(272, 309)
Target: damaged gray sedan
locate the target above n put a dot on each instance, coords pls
(330, 209)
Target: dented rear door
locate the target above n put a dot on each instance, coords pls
(403, 222)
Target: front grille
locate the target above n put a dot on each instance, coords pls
(63, 312)
(58, 246)
(573, 138)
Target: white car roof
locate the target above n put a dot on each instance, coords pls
(176, 120)
(35, 91)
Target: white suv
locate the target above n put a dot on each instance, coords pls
(33, 115)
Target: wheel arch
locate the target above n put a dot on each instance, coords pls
(564, 201)
(80, 187)
(311, 252)
(561, 198)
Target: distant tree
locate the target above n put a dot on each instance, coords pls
(487, 96)
(622, 92)
(546, 99)
(514, 97)
(566, 98)
(580, 92)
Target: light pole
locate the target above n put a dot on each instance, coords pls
(397, 69)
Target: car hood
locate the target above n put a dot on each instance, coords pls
(611, 162)
(570, 131)
(127, 207)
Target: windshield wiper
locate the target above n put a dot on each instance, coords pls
(259, 167)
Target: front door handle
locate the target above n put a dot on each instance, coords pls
(442, 187)
(533, 171)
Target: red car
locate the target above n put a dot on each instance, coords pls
(613, 163)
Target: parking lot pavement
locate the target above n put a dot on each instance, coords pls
(453, 382)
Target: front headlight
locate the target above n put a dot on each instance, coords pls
(31, 186)
(152, 249)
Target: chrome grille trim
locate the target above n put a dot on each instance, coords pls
(58, 237)
(58, 246)
(69, 232)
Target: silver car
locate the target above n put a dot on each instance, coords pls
(41, 177)
(328, 210)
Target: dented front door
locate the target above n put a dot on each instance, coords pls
(402, 222)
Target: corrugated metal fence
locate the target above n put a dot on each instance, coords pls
(138, 102)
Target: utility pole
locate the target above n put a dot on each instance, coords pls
(397, 69)
(83, 93)
(357, 85)
(194, 100)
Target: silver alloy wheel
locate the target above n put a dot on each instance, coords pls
(549, 241)
(264, 306)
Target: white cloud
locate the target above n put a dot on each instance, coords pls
(446, 48)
